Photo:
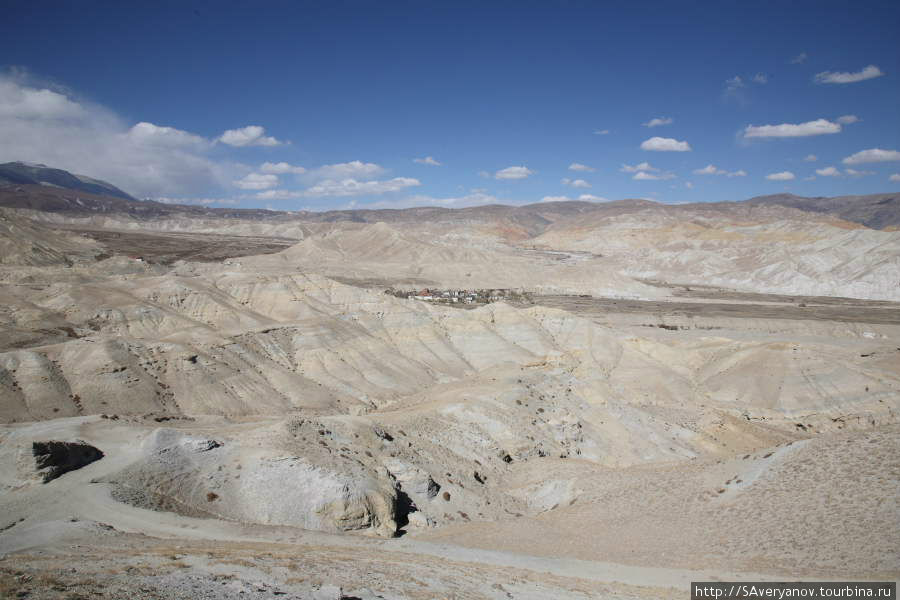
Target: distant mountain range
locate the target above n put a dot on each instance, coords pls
(23, 173)
(38, 187)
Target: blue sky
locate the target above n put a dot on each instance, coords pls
(190, 101)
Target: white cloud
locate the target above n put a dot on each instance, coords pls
(811, 158)
(894, 177)
(872, 155)
(661, 144)
(869, 72)
(817, 127)
(601, 132)
(592, 198)
(556, 199)
(800, 58)
(428, 160)
(658, 121)
(761, 78)
(689, 185)
(148, 133)
(354, 169)
(644, 166)
(251, 135)
(50, 126)
(710, 170)
(847, 119)
(855, 173)
(513, 173)
(828, 172)
(257, 181)
(581, 167)
(352, 187)
(783, 176)
(645, 176)
(738, 173)
(810, 178)
(576, 183)
(280, 168)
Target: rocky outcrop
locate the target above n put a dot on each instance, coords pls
(50, 459)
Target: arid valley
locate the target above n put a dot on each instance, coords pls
(216, 403)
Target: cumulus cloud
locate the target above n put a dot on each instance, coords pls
(738, 173)
(817, 127)
(428, 160)
(251, 135)
(658, 121)
(799, 59)
(847, 119)
(761, 78)
(661, 144)
(576, 183)
(592, 198)
(894, 177)
(783, 176)
(51, 126)
(828, 172)
(869, 72)
(872, 155)
(855, 173)
(644, 166)
(581, 167)
(513, 173)
(556, 199)
(811, 158)
(257, 181)
(280, 168)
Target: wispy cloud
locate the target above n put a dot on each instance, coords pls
(601, 132)
(761, 78)
(894, 177)
(658, 121)
(644, 166)
(869, 72)
(46, 124)
(280, 168)
(847, 119)
(428, 160)
(786, 130)
(811, 158)
(714, 170)
(576, 183)
(581, 167)
(782, 176)
(647, 176)
(799, 59)
(257, 181)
